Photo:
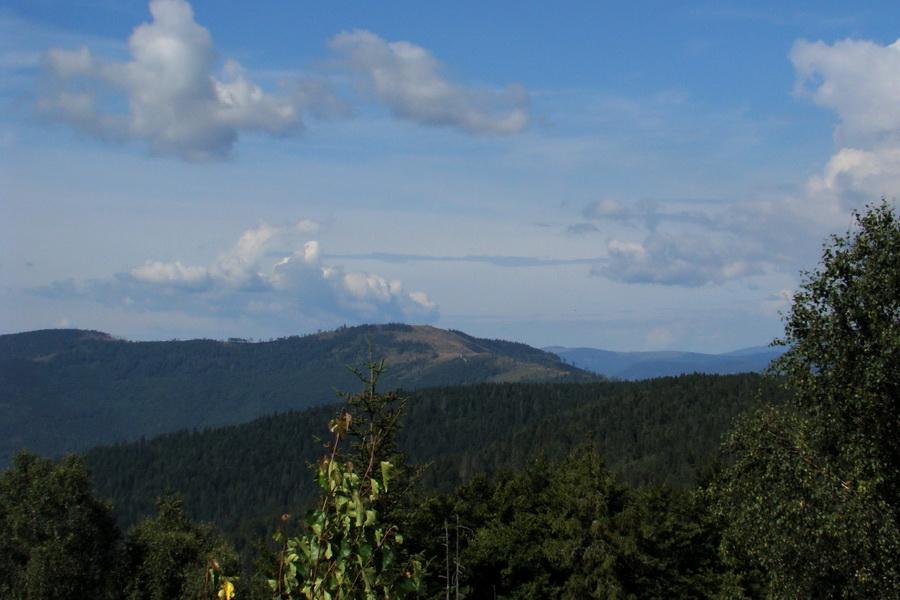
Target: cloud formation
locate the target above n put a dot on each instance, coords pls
(169, 94)
(860, 81)
(271, 274)
(494, 260)
(407, 78)
(693, 243)
(711, 243)
(686, 259)
(173, 95)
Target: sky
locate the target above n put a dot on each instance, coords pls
(615, 175)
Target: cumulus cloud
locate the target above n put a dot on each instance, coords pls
(272, 273)
(860, 81)
(174, 95)
(854, 177)
(170, 94)
(408, 79)
(708, 243)
(685, 243)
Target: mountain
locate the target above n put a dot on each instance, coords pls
(67, 390)
(647, 365)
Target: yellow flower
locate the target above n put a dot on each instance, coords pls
(227, 591)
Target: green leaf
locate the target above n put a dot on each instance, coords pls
(386, 470)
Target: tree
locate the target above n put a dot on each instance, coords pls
(668, 545)
(571, 530)
(56, 538)
(514, 552)
(812, 499)
(168, 557)
(347, 550)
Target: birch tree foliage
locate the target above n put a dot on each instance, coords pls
(812, 499)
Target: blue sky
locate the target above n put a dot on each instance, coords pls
(626, 176)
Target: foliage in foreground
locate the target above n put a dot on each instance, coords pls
(347, 550)
(812, 500)
(569, 530)
(55, 536)
(168, 556)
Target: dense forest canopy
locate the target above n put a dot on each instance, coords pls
(658, 430)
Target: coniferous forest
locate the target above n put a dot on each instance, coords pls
(744, 486)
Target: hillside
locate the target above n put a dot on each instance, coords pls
(647, 365)
(68, 390)
(658, 430)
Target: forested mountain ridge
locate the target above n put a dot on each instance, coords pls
(243, 476)
(67, 390)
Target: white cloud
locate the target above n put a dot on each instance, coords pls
(171, 274)
(407, 78)
(174, 95)
(271, 274)
(855, 177)
(860, 81)
(169, 94)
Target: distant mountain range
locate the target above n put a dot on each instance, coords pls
(647, 365)
(66, 390)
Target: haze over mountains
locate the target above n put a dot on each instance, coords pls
(647, 365)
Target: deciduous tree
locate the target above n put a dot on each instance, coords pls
(812, 500)
(348, 551)
(56, 538)
(168, 557)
